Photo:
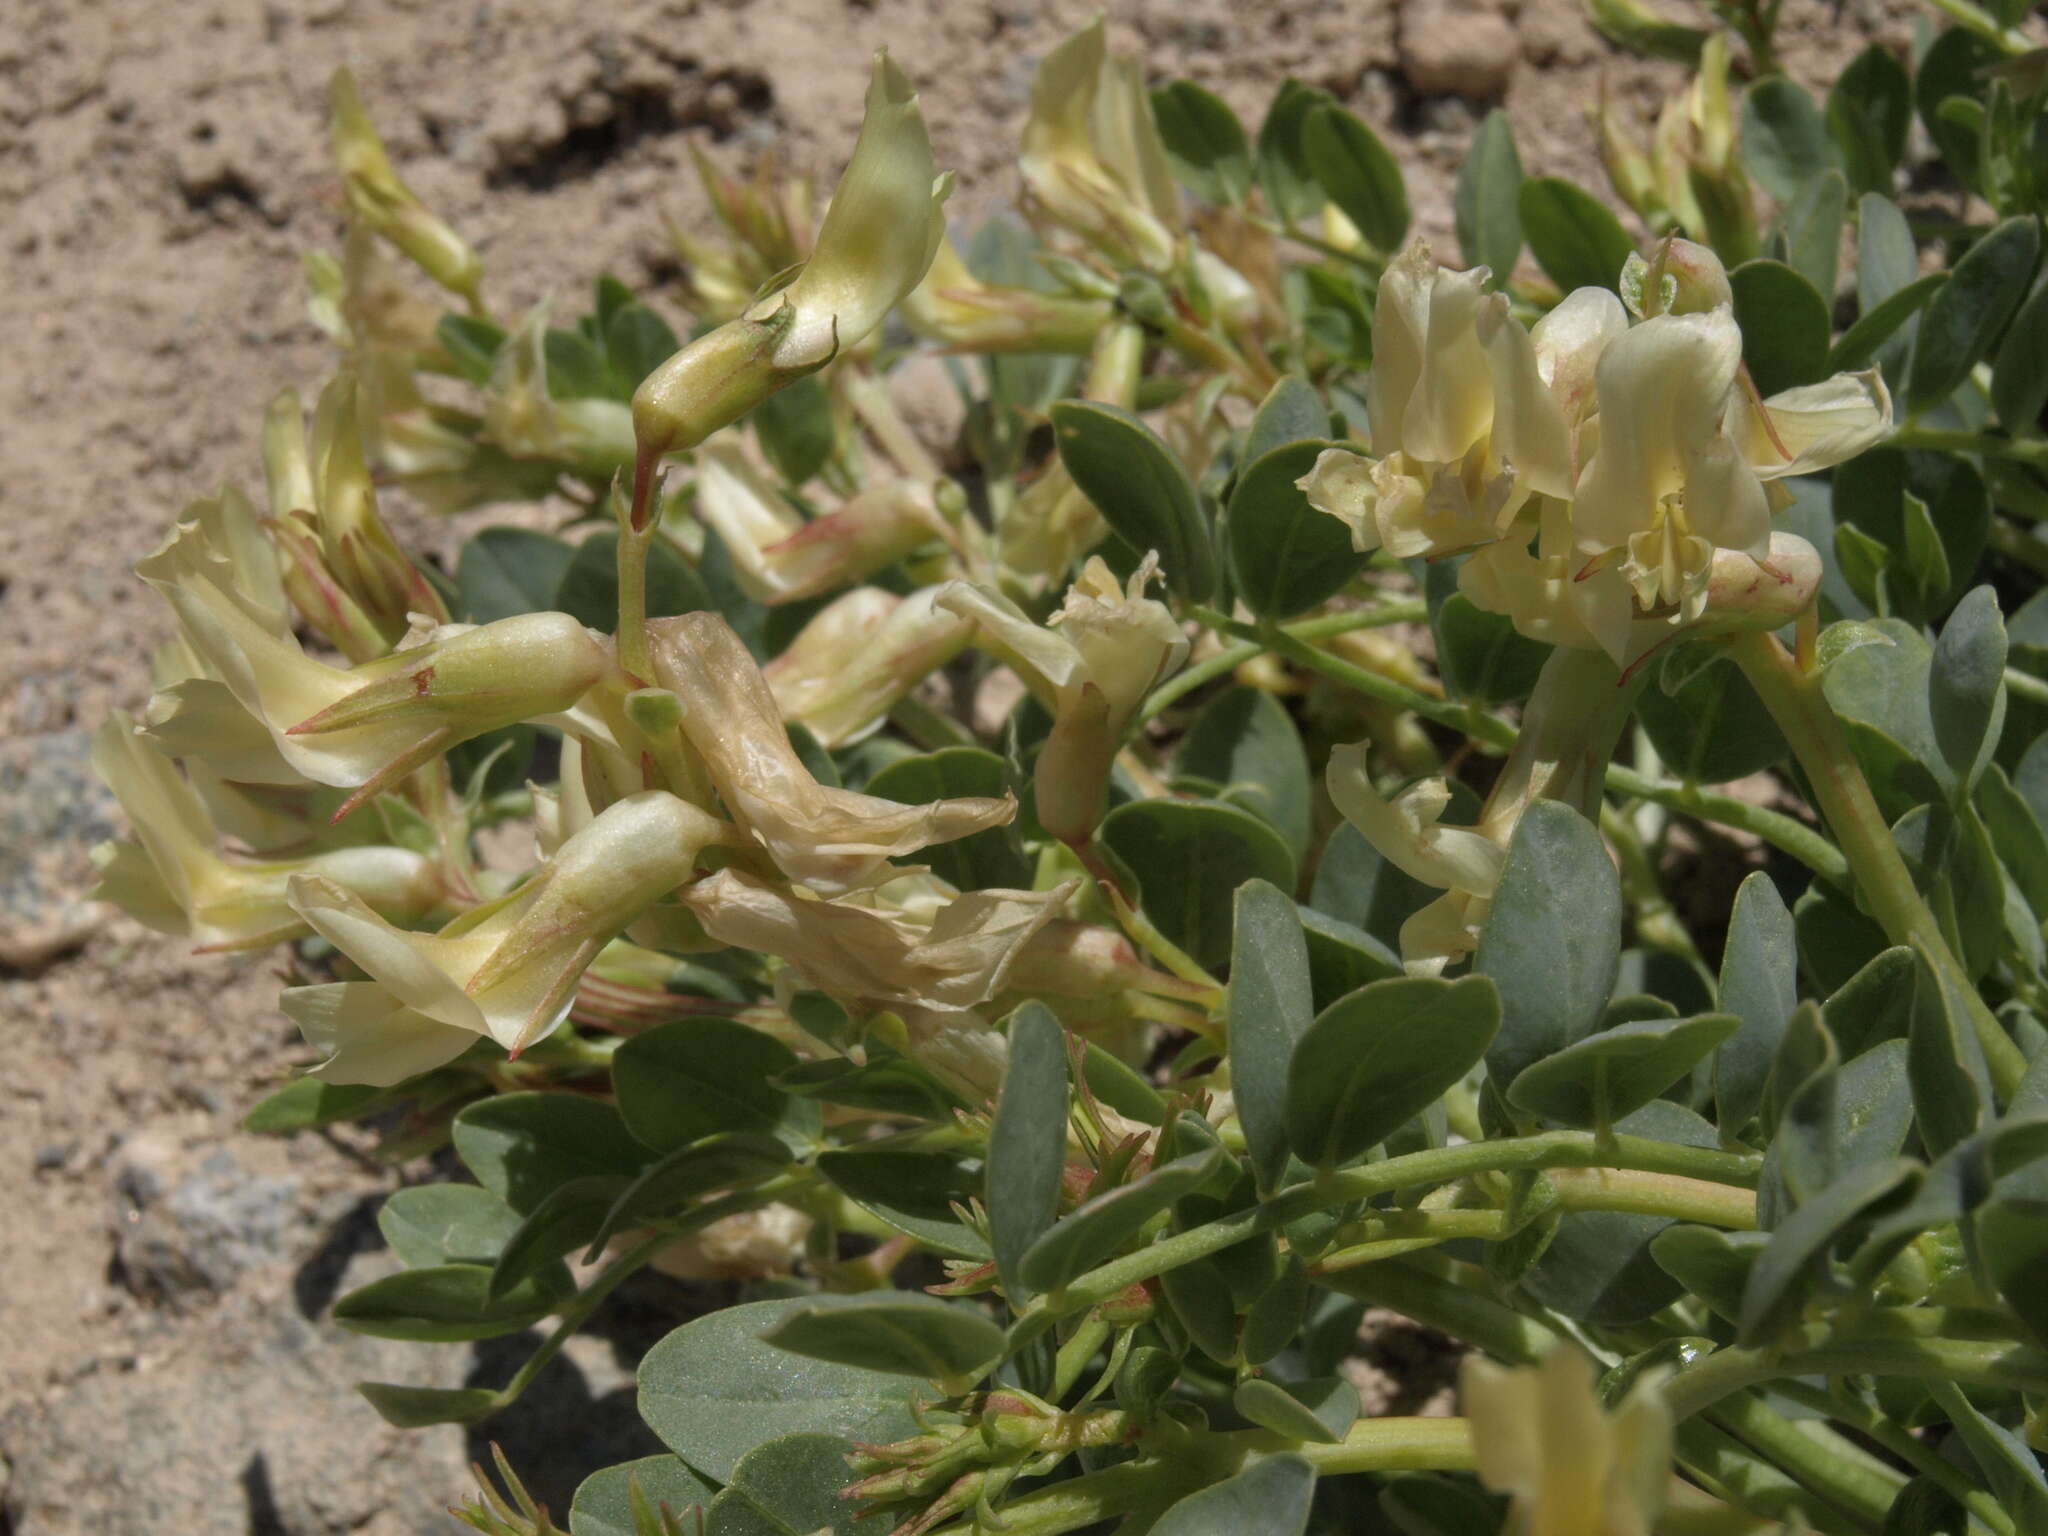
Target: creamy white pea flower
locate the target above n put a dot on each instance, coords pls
(1470, 413)
(829, 839)
(508, 969)
(1463, 863)
(950, 960)
(362, 727)
(1569, 1466)
(1686, 456)
(176, 877)
(878, 238)
(1092, 663)
(780, 558)
(1092, 159)
(849, 666)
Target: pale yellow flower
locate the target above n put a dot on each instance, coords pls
(177, 878)
(1569, 1466)
(508, 969)
(828, 839)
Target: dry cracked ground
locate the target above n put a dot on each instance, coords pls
(165, 1360)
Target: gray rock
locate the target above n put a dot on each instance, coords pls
(239, 1415)
(52, 810)
(214, 1224)
(252, 1425)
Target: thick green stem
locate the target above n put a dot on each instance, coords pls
(1075, 1354)
(1818, 1458)
(1655, 1194)
(634, 654)
(1780, 831)
(1570, 725)
(1818, 1349)
(1230, 658)
(1439, 1165)
(1390, 1234)
(1195, 1461)
(1794, 696)
(1839, 1405)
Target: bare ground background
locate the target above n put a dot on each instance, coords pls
(165, 1364)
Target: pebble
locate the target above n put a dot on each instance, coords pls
(1457, 47)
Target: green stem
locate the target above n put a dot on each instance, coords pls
(634, 654)
(1902, 1443)
(2026, 686)
(585, 1302)
(2029, 450)
(1655, 1194)
(1382, 1445)
(1822, 1461)
(1389, 1234)
(1232, 657)
(1818, 1349)
(1371, 263)
(1731, 1471)
(1794, 696)
(1780, 831)
(1075, 1354)
(1194, 1461)
(1438, 1165)
(1974, 18)
(1412, 1289)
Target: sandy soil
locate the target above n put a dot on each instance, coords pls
(162, 165)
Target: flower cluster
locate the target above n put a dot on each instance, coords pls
(1606, 478)
(282, 790)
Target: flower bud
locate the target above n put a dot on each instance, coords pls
(713, 382)
(362, 728)
(346, 574)
(869, 533)
(386, 204)
(507, 969)
(1679, 278)
(1629, 169)
(1746, 593)
(1635, 26)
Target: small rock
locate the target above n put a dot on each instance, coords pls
(52, 809)
(1456, 47)
(54, 1155)
(212, 1225)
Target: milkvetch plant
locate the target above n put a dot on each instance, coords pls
(1508, 790)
